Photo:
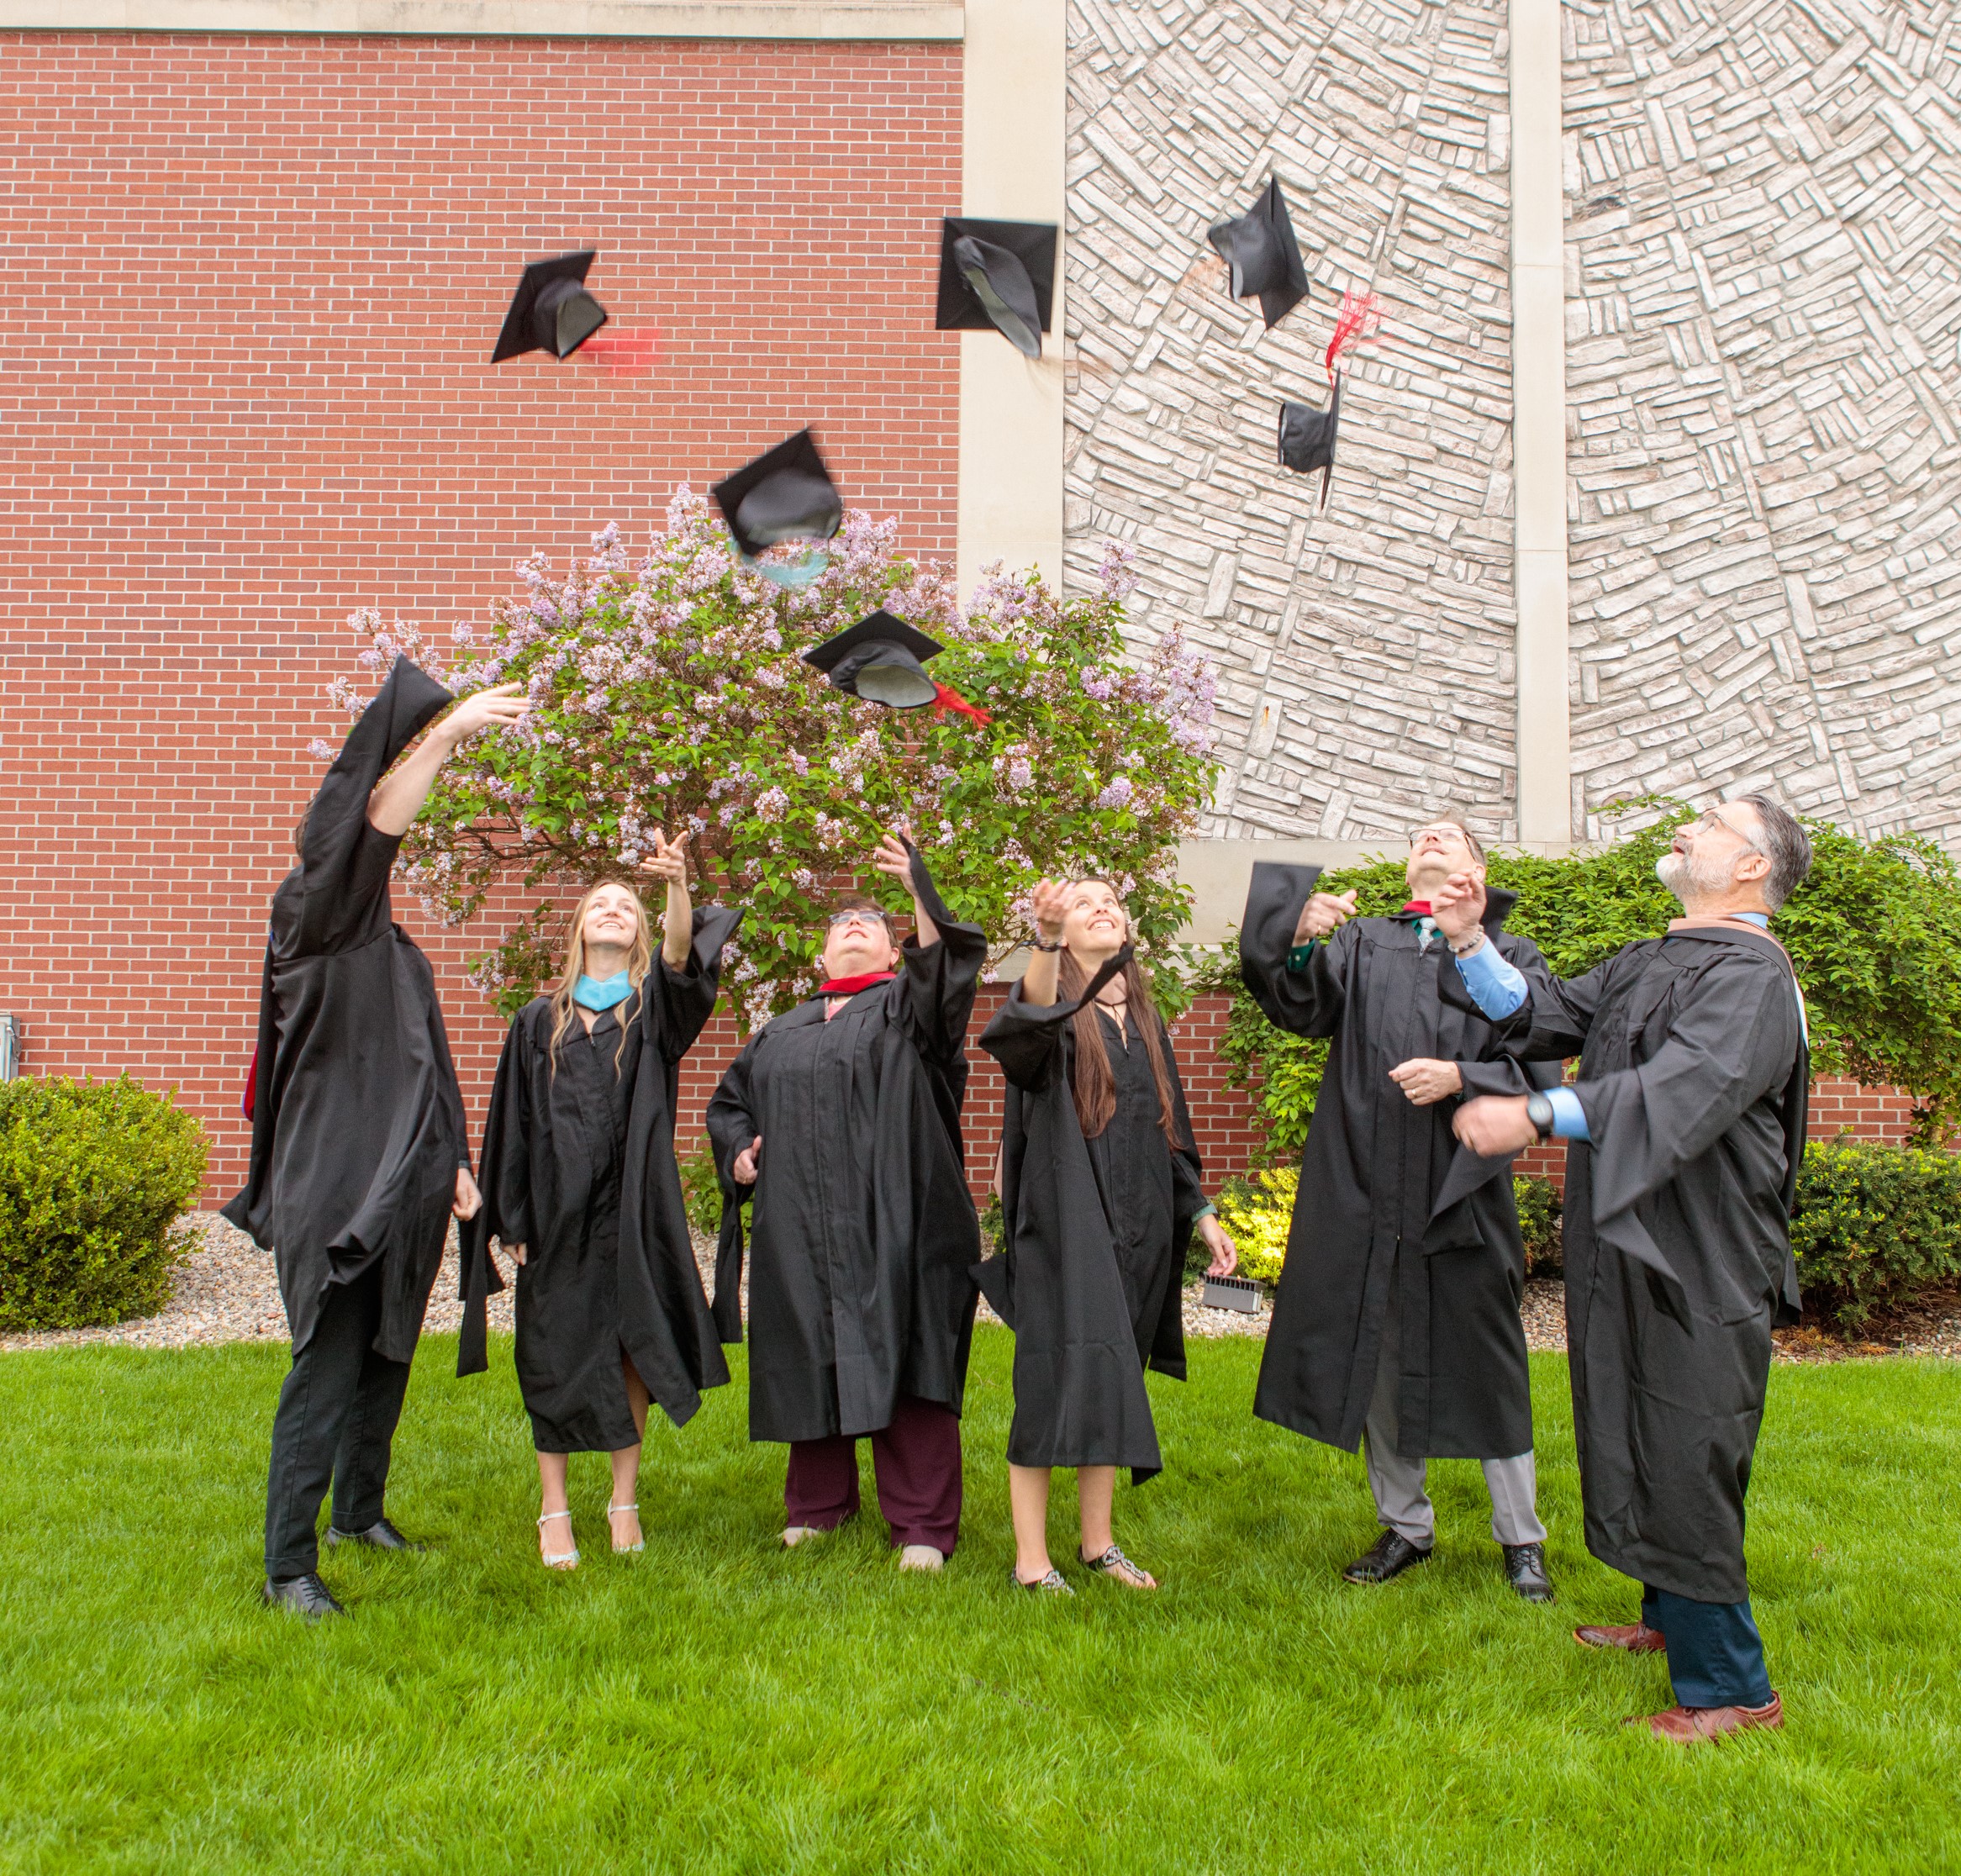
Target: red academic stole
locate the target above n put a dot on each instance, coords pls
(850, 986)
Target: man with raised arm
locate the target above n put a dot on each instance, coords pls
(1685, 1126)
(840, 1121)
(359, 1155)
(1396, 1323)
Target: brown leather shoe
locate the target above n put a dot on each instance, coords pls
(1635, 1637)
(1685, 1726)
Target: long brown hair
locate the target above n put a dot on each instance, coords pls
(1093, 1084)
(638, 960)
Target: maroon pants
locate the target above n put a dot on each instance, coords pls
(916, 1461)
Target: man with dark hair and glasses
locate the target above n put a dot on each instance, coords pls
(1396, 1325)
(1685, 1127)
(840, 1123)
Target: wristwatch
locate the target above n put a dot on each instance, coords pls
(1539, 1112)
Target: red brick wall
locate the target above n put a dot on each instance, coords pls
(243, 389)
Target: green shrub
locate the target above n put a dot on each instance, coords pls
(1256, 1213)
(93, 1176)
(700, 1186)
(1873, 1225)
(1539, 1207)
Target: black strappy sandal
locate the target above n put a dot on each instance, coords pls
(1054, 1583)
(1114, 1563)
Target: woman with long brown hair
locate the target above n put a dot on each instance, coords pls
(580, 1185)
(1100, 1195)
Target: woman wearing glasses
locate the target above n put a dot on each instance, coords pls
(840, 1123)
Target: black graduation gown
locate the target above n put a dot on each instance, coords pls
(1694, 1077)
(863, 1234)
(1388, 1194)
(357, 1122)
(1090, 1279)
(578, 1167)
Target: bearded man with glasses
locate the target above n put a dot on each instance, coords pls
(1686, 1127)
(840, 1123)
(1396, 1325)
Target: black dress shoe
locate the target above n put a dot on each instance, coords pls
(1393, 1554)
(307, 1595)
(379, 1535)
(1524, 1570)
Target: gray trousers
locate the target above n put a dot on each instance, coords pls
(1401, 1504)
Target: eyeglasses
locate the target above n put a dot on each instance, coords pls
(869, 921)
(1440, 833)
(1712, 818)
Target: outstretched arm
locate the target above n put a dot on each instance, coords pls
(397, 799)
(893, 858)
(668, 862)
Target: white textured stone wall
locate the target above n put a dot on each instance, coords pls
(1763, 389)
(1367, 652)
(1763, 314)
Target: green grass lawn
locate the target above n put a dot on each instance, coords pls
(718, 1704)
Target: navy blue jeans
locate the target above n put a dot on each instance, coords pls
(1716, 1656)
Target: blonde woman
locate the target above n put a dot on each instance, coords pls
(1100, 1192)
(581, 1187)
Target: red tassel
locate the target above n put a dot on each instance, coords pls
(623, 350)
(1358, 321)
(252, 1095)
(946, 698)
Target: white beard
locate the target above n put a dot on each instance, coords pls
(1683, 876)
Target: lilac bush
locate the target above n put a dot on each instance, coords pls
(671, 694)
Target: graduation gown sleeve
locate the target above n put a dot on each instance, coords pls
(731, 1127)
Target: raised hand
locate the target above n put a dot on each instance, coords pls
(1459, 907)
(1049, 903)
(1426, 1081)
(486, 709)
(1325, 912)
(668, 861)
(891, 856)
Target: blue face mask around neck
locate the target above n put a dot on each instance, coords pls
(591, 994)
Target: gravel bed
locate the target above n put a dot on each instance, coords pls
(225, 1292)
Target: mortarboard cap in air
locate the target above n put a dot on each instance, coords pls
(552, 311)
(1307, 438)
(881, 658)
(997, 273)
(785, 494)
(1262, 256)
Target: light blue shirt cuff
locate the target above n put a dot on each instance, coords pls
(1496, 987)
(1569, 1116)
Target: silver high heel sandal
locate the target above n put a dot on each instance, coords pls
(618, 1548)
(565, 1560)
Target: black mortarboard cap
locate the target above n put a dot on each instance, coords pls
(552, 311)
(999, 274)
(1262, 256)
(1307, 438)
(786, 494)
(881, 658)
